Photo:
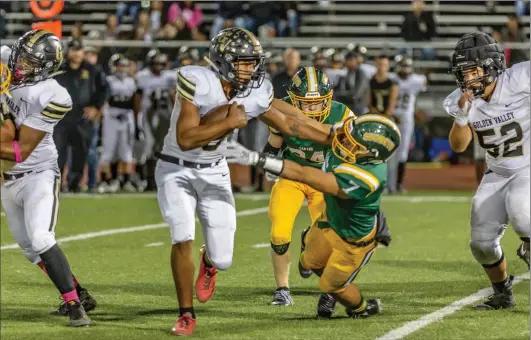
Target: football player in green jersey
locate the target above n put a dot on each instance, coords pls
(311, 92)
(345, 236)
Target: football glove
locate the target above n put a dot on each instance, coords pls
(239, 154)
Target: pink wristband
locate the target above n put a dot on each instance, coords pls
(16, 149)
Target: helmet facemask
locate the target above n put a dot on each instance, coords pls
(344, 146)
(25, 68)
(244, 81)
(478, 84)
(313, 98)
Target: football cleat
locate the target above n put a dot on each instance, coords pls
(326, 306)
(205, 284)
(304, 273)
(501, 299)
(523, 253)
(373, 307)
(185, 325)
(88, 302)
(78, 316)
(282, 298)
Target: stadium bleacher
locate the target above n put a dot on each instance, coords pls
(376, 24)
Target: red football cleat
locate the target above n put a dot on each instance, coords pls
(185, 325)
(206, 280)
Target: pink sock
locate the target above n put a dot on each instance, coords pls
(71, 295)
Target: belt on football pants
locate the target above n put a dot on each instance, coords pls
(12, 177)
(188, 164)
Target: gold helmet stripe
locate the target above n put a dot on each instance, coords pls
(379, 119)
(313, 85)
(36, 37)
(251, 36)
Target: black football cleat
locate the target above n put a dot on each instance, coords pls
(78, 316)
(326, 306)
(282, 298)
(373, 307)
(501, 299)
(304, 273)
(88, 302)
(523, 253)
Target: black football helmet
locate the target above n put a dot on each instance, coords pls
(233, 45)
(35, 56)
(156, 61)
(475, 50)
(188, 56)
(118, 60)
(403, 66)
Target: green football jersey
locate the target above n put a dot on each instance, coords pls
(308, 153)
(354, 217)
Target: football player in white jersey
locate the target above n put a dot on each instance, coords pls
(155, 89)
(118, 125)
(409, 86)
(492, 103)
(30, 189)
(192, 175)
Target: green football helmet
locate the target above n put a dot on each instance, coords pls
(310, 85)
(366, 139)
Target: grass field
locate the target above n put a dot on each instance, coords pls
(427, 267)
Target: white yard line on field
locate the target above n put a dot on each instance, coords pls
(155, 244)
(248, 212)
(413, 326)
(265, 197)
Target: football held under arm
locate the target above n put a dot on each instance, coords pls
(190, 134)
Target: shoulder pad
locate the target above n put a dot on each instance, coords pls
(194, 80)
(55, 101)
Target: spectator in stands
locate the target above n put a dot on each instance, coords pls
(263, 18)
(143, 30)
(418, 26)
(512, 32)
(77, 30)
(177, 30)
(230, 13)
(288, 23)
(189, 12)
(156, 15)
(127, 8)
(292, 61)
(111, 28)
(273, 61)
(319, 59)
(351, 89)
(522, 7)
(88, 89)
(3, 24)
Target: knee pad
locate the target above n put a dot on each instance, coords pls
(487, 253)
(280, 249)
(42, 241)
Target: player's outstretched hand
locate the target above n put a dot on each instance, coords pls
(239, 154)
(237, 116)
(465, 100)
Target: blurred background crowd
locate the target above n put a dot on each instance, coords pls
(341, 37)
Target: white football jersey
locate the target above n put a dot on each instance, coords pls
(149, 83)
(409, 89)
(501, 126)
(121, 92)
(202, 87)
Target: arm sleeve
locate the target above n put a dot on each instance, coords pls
(355, 182)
